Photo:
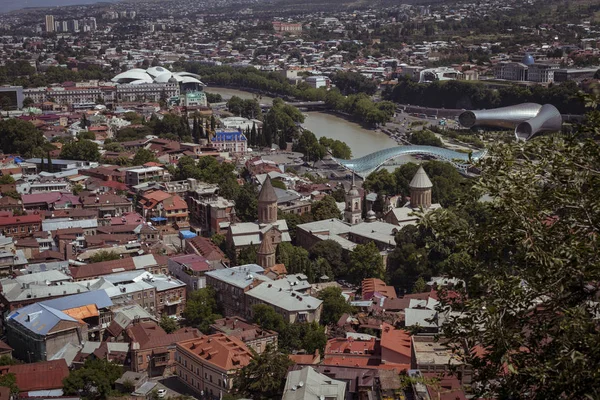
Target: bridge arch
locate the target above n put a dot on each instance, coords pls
(365, 165)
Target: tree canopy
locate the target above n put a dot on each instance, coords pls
(104, 255)
(20, 137)
(264, 377)
(94, 380)
(532, 271)
(334, 305)
(143, 156)
(83, 150)
(365, 262)
(201, 309)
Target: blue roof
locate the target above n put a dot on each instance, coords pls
(97, 297)
(187, 234)
(158, 219)
(39, 318)
(224, 136)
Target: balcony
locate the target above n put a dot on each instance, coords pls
(174, 301)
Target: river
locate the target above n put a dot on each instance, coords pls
(361, 141)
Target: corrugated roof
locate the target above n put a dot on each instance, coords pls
(40, 376)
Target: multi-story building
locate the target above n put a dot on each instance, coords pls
(430, 355)
(21, 226)
(146, 92)
(231, 141)
(49, 23)
(170, 295)
(152, 349)
(279, 26)
(318, 81)
(542, 73)
(107, 205)
(209, 211)
(41, 330)
(231, 283)
(511, 71)
(135, 176)
(208, 364)
(252, 335)
(190, 268)
(291, 304)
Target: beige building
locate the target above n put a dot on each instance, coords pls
(207, 365)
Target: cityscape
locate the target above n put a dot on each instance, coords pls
(268, 199)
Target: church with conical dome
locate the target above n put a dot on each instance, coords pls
(265, 233)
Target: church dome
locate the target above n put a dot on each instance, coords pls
(371, 216)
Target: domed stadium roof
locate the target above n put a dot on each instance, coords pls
(156, 75)
(528, 59)
(156, 71)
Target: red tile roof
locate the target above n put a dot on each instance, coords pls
(102, 268)
(396, 340)
(225, 352)
(149, 335)
(193, 262)
(40, 376)
(371, 286)
(206, 248)
(351, 346)
(23, 219)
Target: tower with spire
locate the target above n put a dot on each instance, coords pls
(420, 190)
(267, 203)
(265, 256)
(353, 210)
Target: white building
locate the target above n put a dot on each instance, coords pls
(318, 81)
(231, 141)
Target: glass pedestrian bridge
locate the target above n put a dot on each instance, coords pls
(365, 165)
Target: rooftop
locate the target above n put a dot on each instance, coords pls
(224, 352)
(241, 276)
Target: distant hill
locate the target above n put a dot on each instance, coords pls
(11, 5)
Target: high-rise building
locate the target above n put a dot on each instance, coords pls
(49, 23)
(64, 26)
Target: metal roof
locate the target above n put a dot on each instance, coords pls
(363, 166)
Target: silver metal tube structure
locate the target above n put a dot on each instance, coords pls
(548, 119)
(503, 117)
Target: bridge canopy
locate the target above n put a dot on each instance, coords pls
(365, 165)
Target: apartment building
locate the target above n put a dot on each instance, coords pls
(135, 176)
(208, 364)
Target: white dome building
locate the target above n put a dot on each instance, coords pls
(137, 76)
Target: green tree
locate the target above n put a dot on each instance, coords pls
(116, 147)
(94, 380)
(201, 309)
(296, 260)
(326, 208)
(334, 305)
(213, 123)
(365, 262)
(247, 255)
(264, 377)
(143, 156)
(420, 285)
(531, 272)
(86, 135)
(20, 137)
(168, 324)
(246, 203)
(425, 138)
(267, 318)
(104, 255)
(84, 150)
(27, 102)
(77, 188)
(10, 381)
(6, 179)
(333, 253)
